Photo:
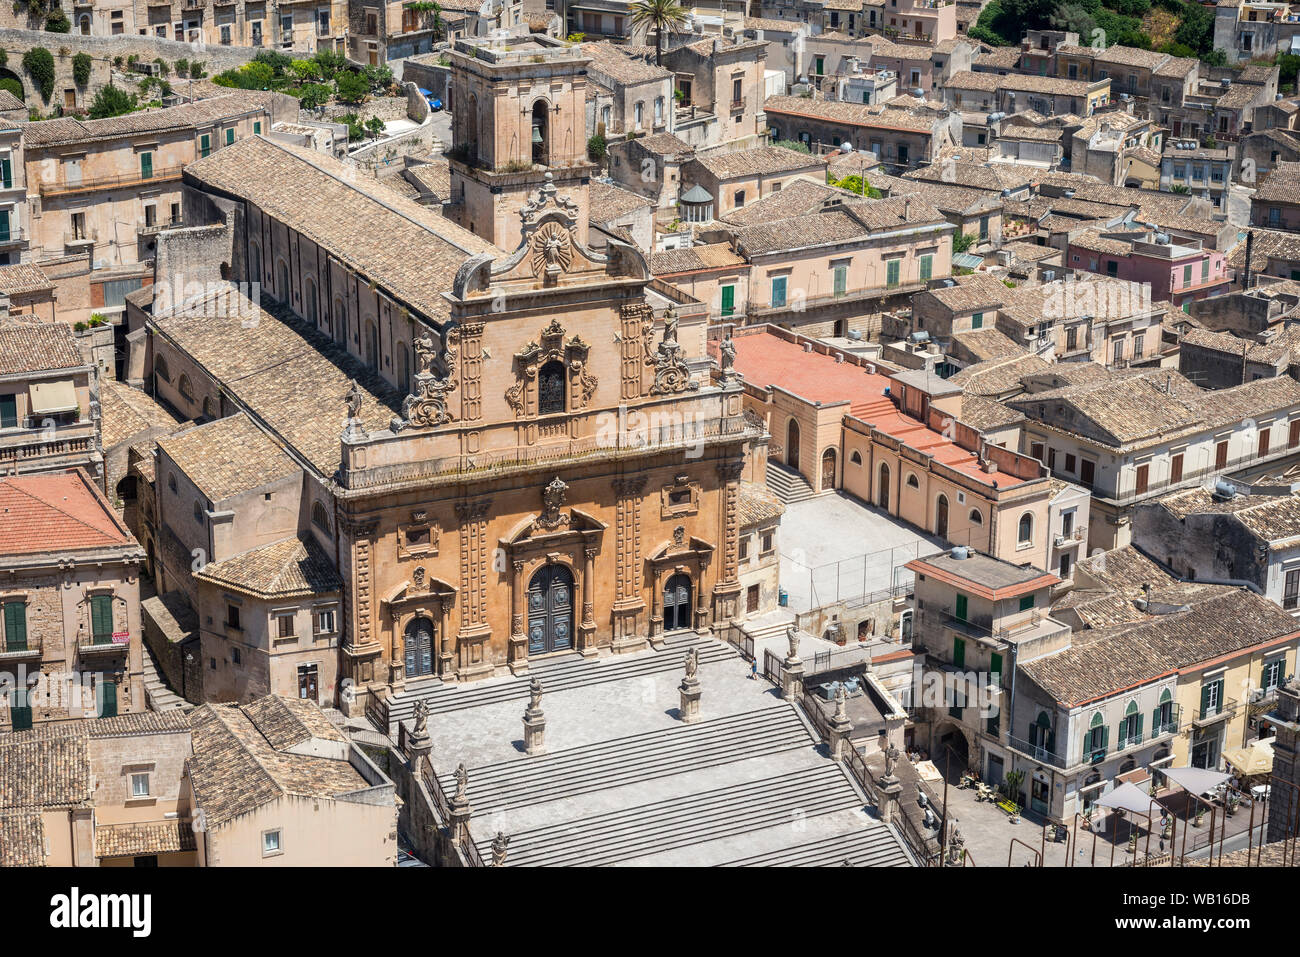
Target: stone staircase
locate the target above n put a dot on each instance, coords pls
(787, 484)
(681, 821)
(556, 674)
(873, 847)
(636, 758)
(159, 696)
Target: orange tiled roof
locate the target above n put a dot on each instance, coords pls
(55, 512)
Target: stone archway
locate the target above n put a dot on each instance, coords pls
(11, 81)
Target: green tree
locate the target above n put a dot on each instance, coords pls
(352, 87)
(312, 96)
(58, 22)
(278, 62)
(111, 101)
(13, 86)
(963, 241)
(329, 64)
(39, 63)
(81, 69)
(795, 145)
(305, 71)
(858, 184)
(596, 148)
(661, 16)
(375, 127)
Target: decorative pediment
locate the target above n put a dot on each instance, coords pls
(521, 397)
(549, 251)
(427, 405)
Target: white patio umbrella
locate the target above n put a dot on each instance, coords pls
(1197, 780)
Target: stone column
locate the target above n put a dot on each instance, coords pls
(841, 726)
(588, 628)
(518, 657)
(792, 669)
(690, 689)
(656, 610)
(534, 721)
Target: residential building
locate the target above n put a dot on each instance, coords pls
(269, 778)
(1276, 202)
(1203, 172)
(1051, 96)
(737, 177)
(758, 550)
(71, 602)
(1176, 272)
(49, 409)
(1134, 437)
(901, 132)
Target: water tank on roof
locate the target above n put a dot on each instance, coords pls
(1223, 489)
(960, 552)
(920, 336)
(846, 147)
(1162, 238)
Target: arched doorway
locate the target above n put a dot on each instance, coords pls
(882, 495)
(550, 610)
(792, 444)
(419, 648)
(828, 470)
(677, 602)
(541, 133)
(941, 516)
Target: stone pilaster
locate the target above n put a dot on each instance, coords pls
(471, 371)
(587, 629)
(726, 593)
(629, 605)
(518, 655)
(472, 639)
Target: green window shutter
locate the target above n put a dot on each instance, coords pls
(205, 144)
(961, 608)
(1137, 735)
(728, 300)
(101, 619)
(1155, 721)
(841, 280)
(1205, 698)
(1105, 738)
(8, 412)
(892, 267)
(977, 321)
(257, 127)
(7, 173)
(958, 652)
(230, 136)
(927, 267)
(20, 711)
(15, 626)
(108, 702)
(146, 165)
(1051, 741)
(1026, 602)
(4, 225)
(995, 665)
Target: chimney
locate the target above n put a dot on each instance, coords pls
(907, 210)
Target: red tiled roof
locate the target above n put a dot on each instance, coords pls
(767, 359)
(56, 512)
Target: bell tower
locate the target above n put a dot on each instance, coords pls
(519, 112)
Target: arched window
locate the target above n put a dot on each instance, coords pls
(1094, 739)
(312, 315)
(541, 133)
(160, 369)
(319, 517)
(550, 388)
(912, 481)
(638, 114)
(975, 517)
(198, 511)
(171, 482)
(254, 262)
(855, 457)
(183, 387)
(1025, 533)
(403, 367)
(941, 516)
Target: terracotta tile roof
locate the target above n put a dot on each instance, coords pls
(1282, 185)
(758, 505)
(235, 769)
(1275, 351)
(410, 251)
(1103, 662)
(694, 258)
(762, 23)
(664, 144)
(997, 376)
(287, 568)
(799, 198)
(136, 723)
(188, 116)
(1093, 241)
(986, 414)
(945, 197)
(1273, 518)
(1041, 134)
(228, 456)
(153, 837)
(289, 375)
(610, 202)
(759, 161)
(620, 65)
(43, 771)
(69, 511)
(433, 177)
(982, 344)
(286, 722)
(973, 292)
(18, 280)
(854, 114)
(37, 347)
(766, 359)
(126, 412)
(993, 177)
(1027, 82)
(22, 834)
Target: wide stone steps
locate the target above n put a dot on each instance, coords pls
(683, 821)
(556, 675)
(787, 484)
(866, 847)
(634, 759)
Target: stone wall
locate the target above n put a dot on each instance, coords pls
(102, 51)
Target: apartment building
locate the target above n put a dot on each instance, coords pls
(49, 409)
(1176, 272)
(1276, 202)
(1131, 438)
(1202, 171)
(1051, 96)
(734, 179)
(901, 132)
(71, 602)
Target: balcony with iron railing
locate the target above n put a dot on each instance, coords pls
(88, 184)
(1219, 711)
(1036, 752)
(30, 647)
(102, 646)
(144, 228)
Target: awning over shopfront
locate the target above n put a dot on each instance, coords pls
(58, 396)
(1196, 780)
(1129, 797)
(1254, 760)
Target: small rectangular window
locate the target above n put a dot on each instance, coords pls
(270, 842)
(139, 785)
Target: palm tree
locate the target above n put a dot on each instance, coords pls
(660, 15)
